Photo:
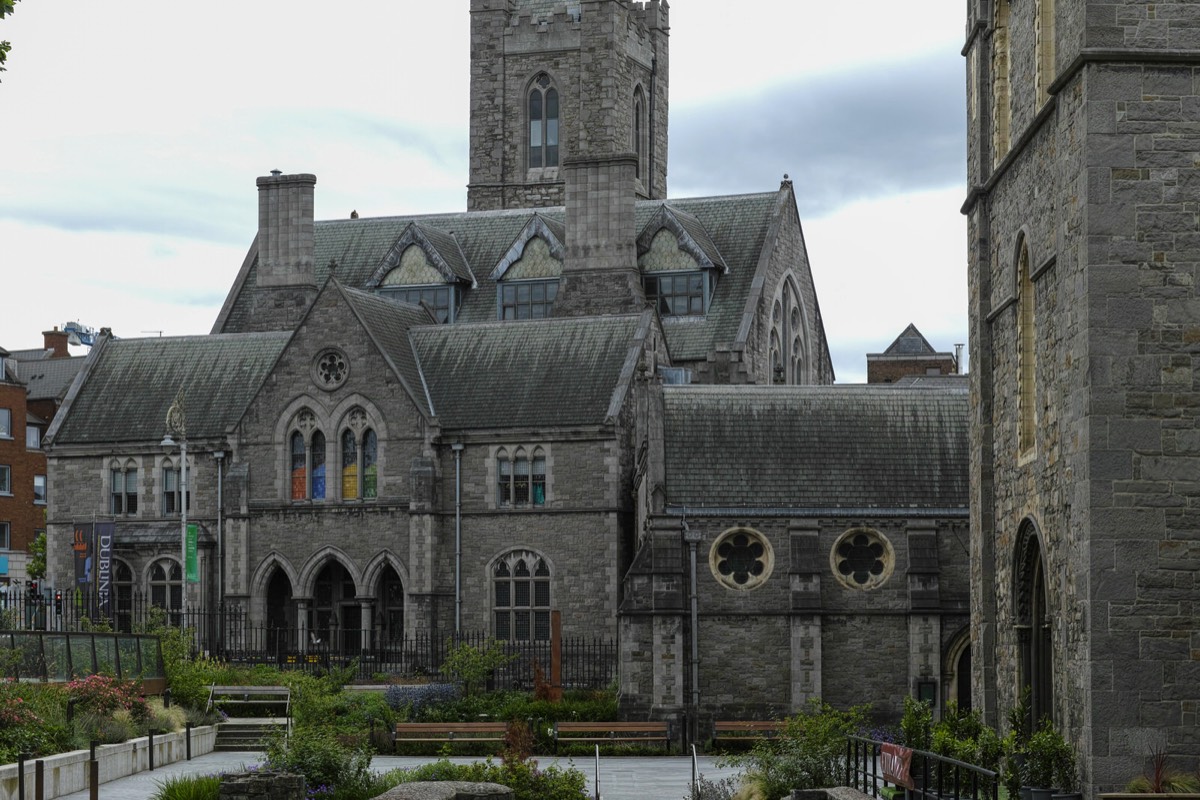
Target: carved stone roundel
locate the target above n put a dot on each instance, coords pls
(330, 369)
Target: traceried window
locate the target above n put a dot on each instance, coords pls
(787, 340)
(359, 470)
(527, 299)
(862, 558)
(123, 497)
(521, 598)
(172, 492)
(166, 587)
(520, 478)
(543, 123)
(678, 295)
(741, 558)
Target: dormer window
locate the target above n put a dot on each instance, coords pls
(679, 263)
(425, 265)
(527, 276)
(678, 295)
(528, 299)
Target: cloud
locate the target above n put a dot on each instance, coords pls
(842, 137)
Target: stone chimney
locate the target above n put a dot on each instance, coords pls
(285, 230)
(56, 341)
(287, 276)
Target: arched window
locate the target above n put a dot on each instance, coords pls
(166, 588)
(391, 606)
(543, 123)
(1045, 48)
(123, 479)
(358, 464)
(317, 458)
(520, 479)
(1001, 91)
(521, 597)
(639, 132)
(1026, 356)
(1033, 622)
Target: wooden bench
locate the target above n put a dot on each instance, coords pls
(745, 730)
(613, 733)
(276, 699)
(450, 731)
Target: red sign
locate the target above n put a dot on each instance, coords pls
(897, 761)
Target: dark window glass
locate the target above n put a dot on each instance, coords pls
(318, 466)
(299, 467)
(370, 469)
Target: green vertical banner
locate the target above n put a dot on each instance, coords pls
(193, 566)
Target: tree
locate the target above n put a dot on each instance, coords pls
(36, 568)
(6, 8)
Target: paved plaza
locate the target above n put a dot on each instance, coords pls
(646, 778)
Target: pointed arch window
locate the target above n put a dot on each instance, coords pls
(1026, 357)
(166, 588)
(521, 598)
(520, 478)
(639, 132)
(307, 460)
(1001, 82)
(787, 341)
(543, 123)
(1034, 623)
(1045, 48)
(359, 473)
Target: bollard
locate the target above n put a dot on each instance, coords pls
(39, 780)
(92, 748)
(150, 750)
(21, 774)
(187, 739)
(93, 780)
(166, 698)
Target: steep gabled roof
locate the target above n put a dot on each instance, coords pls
(125, 389)
(354, 250)
(534, 374)
(49, 378)
(909, 343)
(816, 446)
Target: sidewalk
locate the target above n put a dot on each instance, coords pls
(646, 778)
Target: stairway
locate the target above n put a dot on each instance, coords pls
(248, 733)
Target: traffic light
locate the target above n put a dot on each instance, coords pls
(58, 601)
(33, 588)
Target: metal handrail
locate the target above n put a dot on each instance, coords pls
(929, 771)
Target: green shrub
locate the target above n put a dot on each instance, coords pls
(809, 752)
(527, 780)
(916, 726)
(188, 787)
(322, 759)
(472, 666)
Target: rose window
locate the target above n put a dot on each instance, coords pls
(862, 558)
(741, 558)
(331, 369)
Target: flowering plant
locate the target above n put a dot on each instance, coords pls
(102, 694)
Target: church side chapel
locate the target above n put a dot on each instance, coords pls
(556, 400)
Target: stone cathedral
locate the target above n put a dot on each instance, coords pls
(547, 402)
(1084, 174)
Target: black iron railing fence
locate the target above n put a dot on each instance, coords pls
(231, 635)
(933, 776)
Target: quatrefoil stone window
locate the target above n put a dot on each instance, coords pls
(862, 558)
(330, 369)
(741, 558)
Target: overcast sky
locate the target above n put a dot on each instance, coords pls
(133, 132)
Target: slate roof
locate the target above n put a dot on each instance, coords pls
(50, 378)
(816, 447)
(909, 343)
(530, 374)
(736, 226)
(128, 384)
(388, 322)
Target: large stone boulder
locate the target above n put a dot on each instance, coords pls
(447, 790)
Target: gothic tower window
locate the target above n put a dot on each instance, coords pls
(1026, 359)
(543, 123)
(521, 598)
(1044, 24)
(1001, 91)
(639, 132)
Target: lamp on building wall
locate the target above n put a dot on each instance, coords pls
(177, 429)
